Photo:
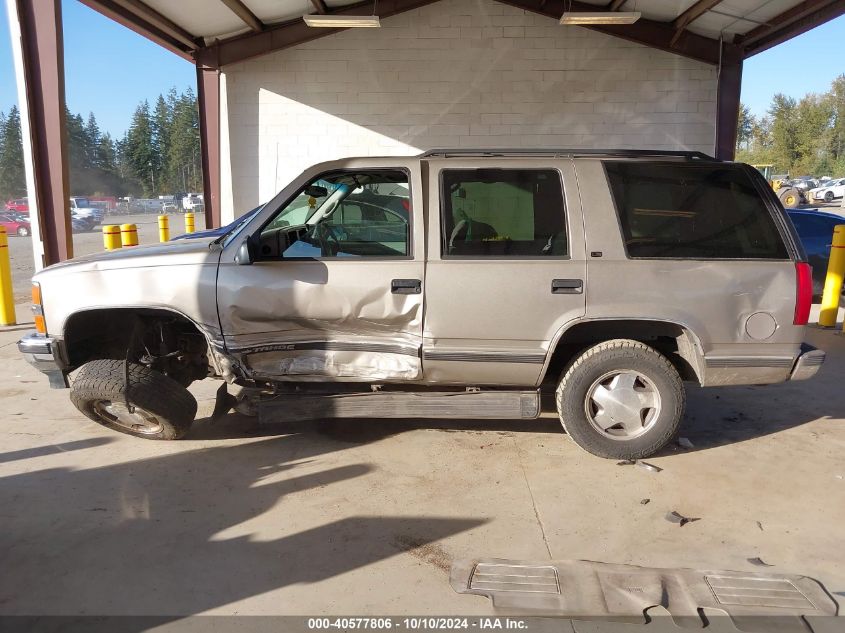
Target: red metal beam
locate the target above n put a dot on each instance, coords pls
(789, 24)
(643, 31)
(242, 11)
(130, 20)
(690, 15)
(43, 62)
(293, 32)
(208, 92)
(727, 102)
(161, 22)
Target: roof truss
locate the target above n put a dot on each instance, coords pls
(669, 36)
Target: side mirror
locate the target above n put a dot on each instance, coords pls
(243, 256)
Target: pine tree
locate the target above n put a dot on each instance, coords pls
(140, 153)
(92, 140)
(185, 144)
(12, 174)
(162, 122)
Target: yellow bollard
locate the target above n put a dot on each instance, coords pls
(833, 280)
(128, 235)
(111, 236)
(163, 228)
(7, 300)
(189, 222)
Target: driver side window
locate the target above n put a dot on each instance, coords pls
(361, 213)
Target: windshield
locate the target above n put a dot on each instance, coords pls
(82, 202)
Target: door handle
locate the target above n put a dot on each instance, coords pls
(406, 286)
(567, 286)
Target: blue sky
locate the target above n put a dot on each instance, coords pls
(109, 69)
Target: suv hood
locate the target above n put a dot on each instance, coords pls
(178, 253)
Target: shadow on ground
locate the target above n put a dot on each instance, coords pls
(166, 535)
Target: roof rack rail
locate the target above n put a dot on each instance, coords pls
(615, 153)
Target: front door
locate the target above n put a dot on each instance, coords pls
(506, 269)
(335, 288)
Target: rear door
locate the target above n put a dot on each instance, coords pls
(506, 267)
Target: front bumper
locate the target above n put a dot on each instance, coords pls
(808, 363)
(44, 353)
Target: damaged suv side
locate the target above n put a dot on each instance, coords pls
(452, 284)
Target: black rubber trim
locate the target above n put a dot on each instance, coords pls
(485, 357)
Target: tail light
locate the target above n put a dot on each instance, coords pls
(803, 292)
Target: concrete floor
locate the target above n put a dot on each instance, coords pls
(366, 517)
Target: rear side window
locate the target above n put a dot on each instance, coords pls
(503, 213)
(697, 211)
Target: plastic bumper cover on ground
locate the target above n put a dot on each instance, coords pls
(42, 352)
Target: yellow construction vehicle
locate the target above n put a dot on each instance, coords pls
(790, 196)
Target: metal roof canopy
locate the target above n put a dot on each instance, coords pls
(215, 33)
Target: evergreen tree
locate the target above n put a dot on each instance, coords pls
(92, 140)
(162, 122)
(12, 174)
(140, 152)
(745, 126)
(185, 144)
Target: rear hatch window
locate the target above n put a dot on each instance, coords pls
(696, 211)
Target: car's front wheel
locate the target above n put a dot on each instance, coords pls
(158, 407)
(23, 231)
(621, 399)
(828, 196)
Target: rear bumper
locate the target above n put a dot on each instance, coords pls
(808, 363)
(44, 353)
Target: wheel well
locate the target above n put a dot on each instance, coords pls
(670, 339)
(161, 339)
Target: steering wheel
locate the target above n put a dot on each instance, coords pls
(326, 235)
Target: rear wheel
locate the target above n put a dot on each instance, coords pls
(23, 231)
(828, 196)
(621, 399)
(159, 408)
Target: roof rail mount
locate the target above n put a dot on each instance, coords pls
(611, 153)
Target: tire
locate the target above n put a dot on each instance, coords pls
(790, 198)
(22, 231)
(610, 366)
(163, 409)
(828, 196)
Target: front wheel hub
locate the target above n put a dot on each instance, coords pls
(133, 418)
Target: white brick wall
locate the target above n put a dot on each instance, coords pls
(456, 74)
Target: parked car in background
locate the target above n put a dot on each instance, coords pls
(84, 208)
(15, 224)
(21, 205)
(829, 192)
(815, 229)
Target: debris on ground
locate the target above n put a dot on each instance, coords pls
(684, 442)
(759, 562)
(680, 519)
(650, 467)
(627, 462)
(760, 525)
(644, 501)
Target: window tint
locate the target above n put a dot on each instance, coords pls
(503, 213)
(692, 210)
(343, 214)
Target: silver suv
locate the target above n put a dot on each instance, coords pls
(452, 284)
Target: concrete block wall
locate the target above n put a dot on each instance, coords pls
(455, 74)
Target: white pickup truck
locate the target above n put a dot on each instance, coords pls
(83, 209)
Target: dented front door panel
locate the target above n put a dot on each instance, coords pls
(325, 319)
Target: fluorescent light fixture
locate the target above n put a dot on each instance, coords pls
(585, 18)
(342, 21)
